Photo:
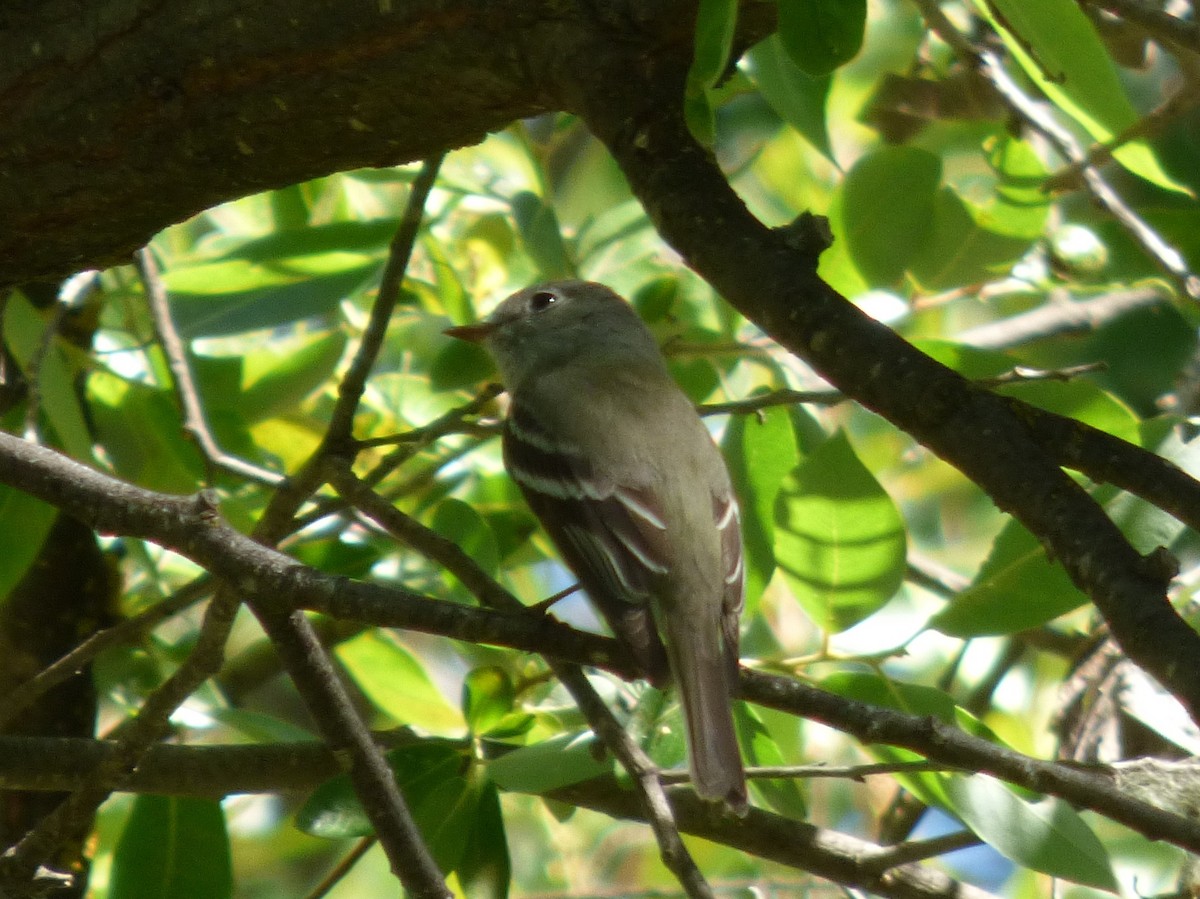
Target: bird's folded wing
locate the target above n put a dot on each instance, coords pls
(613, 535)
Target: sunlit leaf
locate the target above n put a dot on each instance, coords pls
(550, 764)
(277, 385)
(760, 750)
(237, 295)
(397, 683)
(759, 451)
(1017, 588)
(1047, 835)
(1058, 48)
(25, 334)
(142, 434)
(839, 539)
(488, 696)
(960, 250)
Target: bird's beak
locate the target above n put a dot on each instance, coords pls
(476, 333)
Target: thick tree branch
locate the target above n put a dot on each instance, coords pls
(206, 103)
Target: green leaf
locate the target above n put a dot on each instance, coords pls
(488, 696)
(1047, 836)
(237, 295)
(485, 868)
(460, 364)
(24, 330)
(700, 118)
(445, 815)
(557, 762)
(334, 556)
(797, 97)
(312, 240)
(540, 232)
(821, 35)
(888, 203)
(142, 434)
(443, 802)
(759, 451)
(759, 749)
(1058, 48)
(1017, 588)
(277, 383)
(397, 683)
(172, 846)
(1020, 207)
(961, 251)
(716, 21)
(968, 361)
(912, 699)
(458, 521)
(839, 539)
(658, 726)
(24, 524)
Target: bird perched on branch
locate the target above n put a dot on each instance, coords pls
(613, 459)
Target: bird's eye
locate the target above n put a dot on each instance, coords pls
(541, 301)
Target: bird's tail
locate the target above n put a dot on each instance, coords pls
(703, 673)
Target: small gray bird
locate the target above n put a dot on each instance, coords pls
(615, 462)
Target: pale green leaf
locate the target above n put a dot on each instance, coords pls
(1047, 836)
(839, 539)
(397, 683)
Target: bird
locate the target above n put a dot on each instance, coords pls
(616, 464)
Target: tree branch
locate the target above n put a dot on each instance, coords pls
(49, 764)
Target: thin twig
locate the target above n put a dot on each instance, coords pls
(1059, 319)
(1148, 125)
(304, 657)
(841, 772)
(343, 730)
(341, 420)
(787, 397)
(647, 781)
(341, 869)
(919, 850)
(195, 424)
(772, 399)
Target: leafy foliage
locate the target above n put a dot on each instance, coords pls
(872, 567)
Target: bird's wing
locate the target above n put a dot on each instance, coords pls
(727, 517)
(612, 535)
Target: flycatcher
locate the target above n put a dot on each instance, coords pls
(613, 459)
